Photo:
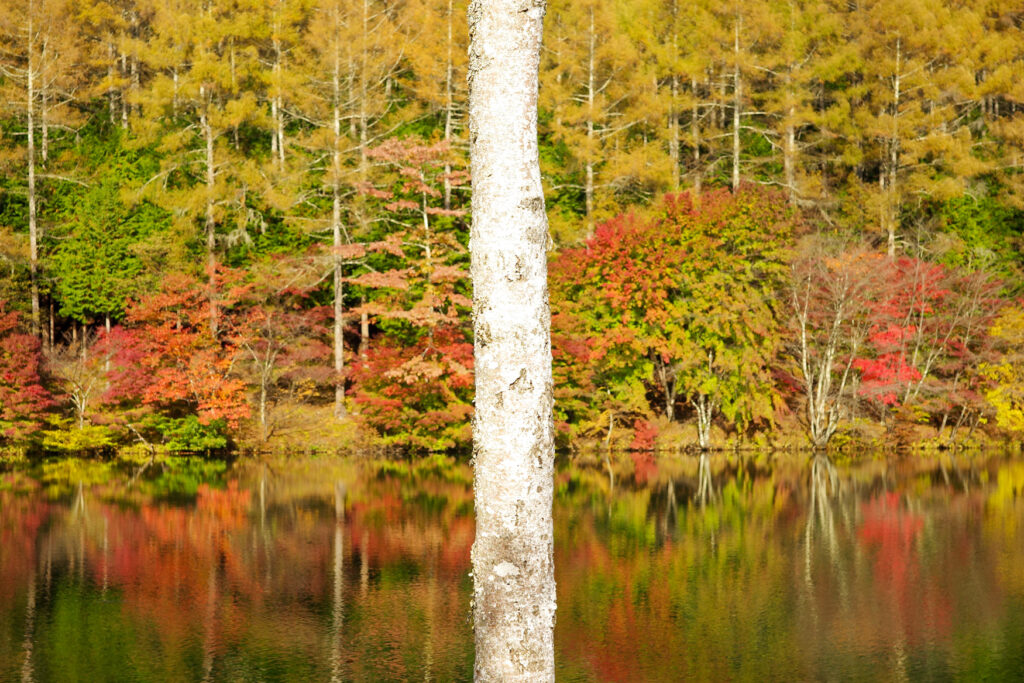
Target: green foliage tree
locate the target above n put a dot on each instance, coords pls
(682, 303)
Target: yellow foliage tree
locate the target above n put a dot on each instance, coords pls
(1007, 394)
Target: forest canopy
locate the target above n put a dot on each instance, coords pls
(226, 223)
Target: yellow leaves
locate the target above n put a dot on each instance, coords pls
(13, 247)
(1007, 396)
(237, 111)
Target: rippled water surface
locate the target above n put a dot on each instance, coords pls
(319, 570)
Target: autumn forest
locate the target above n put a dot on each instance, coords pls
(773, 223)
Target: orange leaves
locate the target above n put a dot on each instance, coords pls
(402, 204)
(408, 153)
(350, 251)
(392, 244)
(419, 395)
(186, 363)
(434, 211)
(448, 274)
(391, 279)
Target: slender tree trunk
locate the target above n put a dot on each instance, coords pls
(588, 190)
(449, 106)
(339, 299)
(211, 225)
(123, 59)
(44, 126)
(513, 554)
(364, 332)
(737, 94)
(174, 90)
(789, 140)
(111, 101)
(106, 326)
(33, 228)
(277, 105)
(698, 172)
(673, 133)
(363, 125)
(263, 409)
(705, 412)
(133, 81)
(890, 198)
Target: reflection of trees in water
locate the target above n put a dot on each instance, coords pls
(825, 495)
(338, 576)
(237, 572)
(210, 623)
(331, 572)
(705, 490)
(27, 668)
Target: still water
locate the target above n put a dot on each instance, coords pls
(322, 570)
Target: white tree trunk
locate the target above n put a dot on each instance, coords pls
(513, 566)
(211, 221)
(737, 92)
(33, 230)
(339, 299)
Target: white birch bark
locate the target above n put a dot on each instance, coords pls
(513, 568)
(737, 92)
(336, 231)
(33, 229)
(211, 221)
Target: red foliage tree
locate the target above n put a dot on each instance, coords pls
(188, 368)
(23, 399)
(415, 386)
(279, 334)
(928, 337)
(418, 395)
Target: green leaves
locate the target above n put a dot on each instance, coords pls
(680, 304)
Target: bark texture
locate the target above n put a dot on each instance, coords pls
(513, 572)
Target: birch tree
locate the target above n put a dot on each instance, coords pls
(513, 566)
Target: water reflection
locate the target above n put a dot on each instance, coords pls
(707, 568)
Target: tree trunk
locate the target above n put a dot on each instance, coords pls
(44, 126)
(673, 133)
(698, 172)
(449, 106)
(124, 98)
(513, 554)
(211, 225)
(111, 103)
(277, 106)
(588, 189)
(705, 412)
(364, 332)
(890, 199)
(33, 234)
(339, 300)
(737, 93)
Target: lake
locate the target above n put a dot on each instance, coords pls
(724, 568)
